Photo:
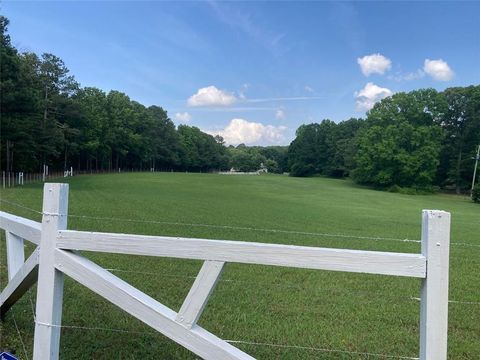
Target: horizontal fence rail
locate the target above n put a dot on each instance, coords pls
(24, 228)
(372, 262)
(56, 255)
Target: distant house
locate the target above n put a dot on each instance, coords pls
(263, 169)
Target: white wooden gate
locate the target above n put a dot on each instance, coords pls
(56, 254)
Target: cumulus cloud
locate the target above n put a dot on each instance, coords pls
(374, 64)
(280, 114)
(211, 96)
(183, 117)
(241, 131)
(438, 69)
(369, 95)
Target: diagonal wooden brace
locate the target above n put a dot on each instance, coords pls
(145, 308)
(24, 278)
(198, 295)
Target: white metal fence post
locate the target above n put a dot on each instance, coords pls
(434, 293)
(50, 280)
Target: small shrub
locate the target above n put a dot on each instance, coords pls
(476, 194)
(395, 189)
(425, 190)
(302, 170)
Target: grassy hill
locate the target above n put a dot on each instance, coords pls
(310, 309)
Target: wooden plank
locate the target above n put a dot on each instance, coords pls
(434, 292)
(15, 254)
(50, 280)
(25, 277)
(145, 308)
(199, 293)
(373, 262)
(25, 228)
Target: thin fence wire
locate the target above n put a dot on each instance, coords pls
(20, 337)
(32, 305)
(258, 285)
(262, 286)
(20, 206)
(242, 228)
(463, 302)
(372, 295)
(368, 354)
(244, 342)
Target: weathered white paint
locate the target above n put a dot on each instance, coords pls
(373, 262)
(434, 292)
(26, 229)
(145, 308)
(24, 278)
(15, 254)
(198, 295)
(50, 280)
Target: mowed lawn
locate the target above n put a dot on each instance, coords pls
(301, 310)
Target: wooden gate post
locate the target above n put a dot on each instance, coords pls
(434, 293)
(50, 281)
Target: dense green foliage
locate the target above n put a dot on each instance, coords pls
(326, 148)
(400, 144)
(273, 158)
(420, 140)
(47, 118)
(263, 304)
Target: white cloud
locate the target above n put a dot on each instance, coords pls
(183, 117)
(280, 114)
(438, 69)
(374, 64)
(240, 131)
(369, 95)
(309, 89)
(211, 96)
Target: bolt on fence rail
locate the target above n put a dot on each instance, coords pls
(55, 257)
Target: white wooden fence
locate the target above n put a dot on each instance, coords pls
(56, 254)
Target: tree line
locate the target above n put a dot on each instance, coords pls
(420, 140)
(417, 140)
(48, 118)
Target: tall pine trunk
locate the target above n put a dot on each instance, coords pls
(457, 173)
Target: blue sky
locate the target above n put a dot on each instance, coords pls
(254, 71)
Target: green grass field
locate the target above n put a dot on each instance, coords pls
(306, 308)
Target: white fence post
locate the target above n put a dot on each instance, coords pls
(434, 293)
(15, 254)
(50, 280)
